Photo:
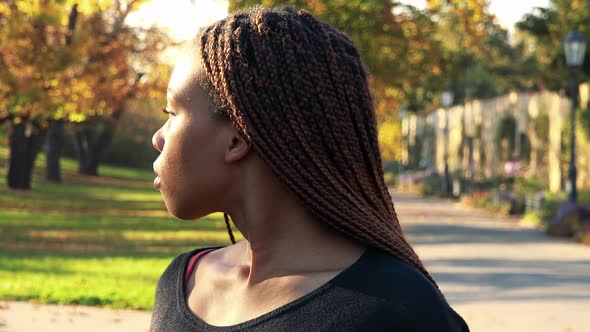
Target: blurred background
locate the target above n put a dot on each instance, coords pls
(483, 104)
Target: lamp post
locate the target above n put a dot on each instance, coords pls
(575, 49)
(405, 135)
(513, 97)
(447, 100)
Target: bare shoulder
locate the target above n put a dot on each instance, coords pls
(227, 256)
(218, 265)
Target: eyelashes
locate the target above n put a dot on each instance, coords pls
(167, 112)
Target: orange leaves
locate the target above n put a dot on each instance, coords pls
(31, 57)
(465, 21)
(318, 7)
(42, 76)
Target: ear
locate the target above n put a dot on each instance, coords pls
(237, 148)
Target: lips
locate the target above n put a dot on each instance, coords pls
(157, 180)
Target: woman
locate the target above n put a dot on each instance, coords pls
(271, 122)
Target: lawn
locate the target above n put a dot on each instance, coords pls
(97, 241)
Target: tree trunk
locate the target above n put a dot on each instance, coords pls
(91, 168)
(91, 150)
(82, 141)
(55, 141)
(16, 177)
(25, 143)
(534, 158)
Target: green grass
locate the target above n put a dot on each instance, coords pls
(97, 241)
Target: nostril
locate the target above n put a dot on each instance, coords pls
(158, 141)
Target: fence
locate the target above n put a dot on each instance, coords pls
(538, 122)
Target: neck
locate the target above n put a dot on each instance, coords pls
(282, 238)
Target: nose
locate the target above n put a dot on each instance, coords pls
(158, 140)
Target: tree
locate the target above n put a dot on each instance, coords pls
(119, 64)
(115, 69)
(52, 73)
(394, 41)
(480, 61)
(546, 28)
(55, 128)
(412, 54)
(31, 62)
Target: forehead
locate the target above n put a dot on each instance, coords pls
(185, 77)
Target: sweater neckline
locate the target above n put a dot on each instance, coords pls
(199, 323)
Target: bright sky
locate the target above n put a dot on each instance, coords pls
(183, 17)
(508, 12)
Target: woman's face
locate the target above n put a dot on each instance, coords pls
(191, 172)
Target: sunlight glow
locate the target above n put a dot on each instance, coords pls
(508, 12)
(182, 18)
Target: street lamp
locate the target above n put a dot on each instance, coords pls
(447, 100)
(405, 135)
(575, 48)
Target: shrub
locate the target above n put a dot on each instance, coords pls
(569, 220)
(390, 170)
(582, 233)
(488, 201)
(131, 145)
(389, 178)
(502, 208)
(524, 186)
(561, 219)
(432, 186)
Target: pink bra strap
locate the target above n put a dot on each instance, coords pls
(192, 263)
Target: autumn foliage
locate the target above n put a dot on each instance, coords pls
(71, 62)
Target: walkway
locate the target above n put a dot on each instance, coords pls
(496, 274)
(499, 276)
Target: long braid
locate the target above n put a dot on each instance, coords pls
(229, 231)
(296, 89)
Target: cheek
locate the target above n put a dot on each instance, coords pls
(193, 175)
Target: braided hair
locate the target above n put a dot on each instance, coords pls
(295, 88)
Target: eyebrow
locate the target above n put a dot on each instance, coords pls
(176, 97)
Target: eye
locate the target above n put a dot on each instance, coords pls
(167, 112)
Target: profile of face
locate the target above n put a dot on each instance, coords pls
(198, 152)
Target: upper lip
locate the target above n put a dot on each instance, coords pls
(155, 170)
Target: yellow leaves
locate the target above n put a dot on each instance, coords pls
(77, 117)
(4, 9)
(90, 77)
(434, 5)
(436, 70)
(410, 29)
(317, 6)
(59, 113)
(87, 7)
(28, 7)
(390, 140)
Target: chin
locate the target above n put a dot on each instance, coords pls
(184, 212)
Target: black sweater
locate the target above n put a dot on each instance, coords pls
(376, 293)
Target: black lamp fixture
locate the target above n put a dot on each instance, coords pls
(574, 45)
(446, 100)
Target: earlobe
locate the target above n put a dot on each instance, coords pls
(237, 149)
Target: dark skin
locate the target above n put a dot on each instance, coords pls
(205, 166)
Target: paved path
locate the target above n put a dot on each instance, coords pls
(496, 274)
(26, 317)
